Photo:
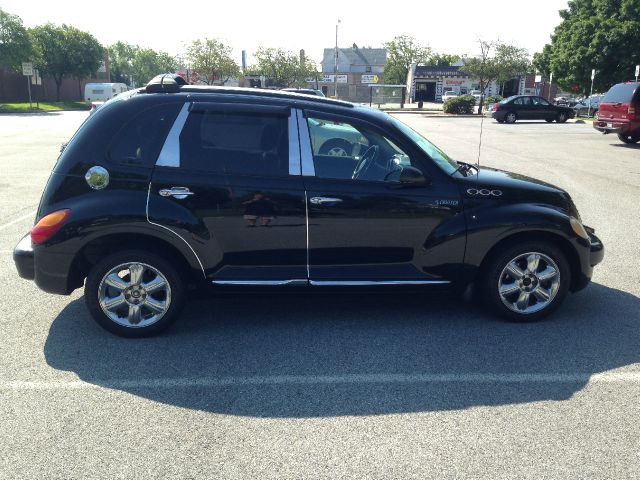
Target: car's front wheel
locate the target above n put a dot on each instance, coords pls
(527, 281)
(628, 138)
(134, 293)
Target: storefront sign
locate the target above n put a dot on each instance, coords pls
(369, 79)
(331, 78)
(448, 81)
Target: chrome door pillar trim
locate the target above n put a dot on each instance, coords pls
(328, 283)
(292, 282)
(170, 153)
(306, 153)
(294, 144)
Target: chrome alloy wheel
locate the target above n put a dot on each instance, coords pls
(134, 295)
(337, 152)
(529, 283)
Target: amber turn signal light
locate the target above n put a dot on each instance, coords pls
(48, 225)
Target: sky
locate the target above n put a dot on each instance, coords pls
(247, 24)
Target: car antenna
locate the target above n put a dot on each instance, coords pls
(479, 145)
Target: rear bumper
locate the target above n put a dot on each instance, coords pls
(612, 126)
(50, 270)
(23, 258)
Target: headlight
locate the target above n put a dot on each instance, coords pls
(578, 229)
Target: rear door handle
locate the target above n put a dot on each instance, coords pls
(178, 193)
(323, 200)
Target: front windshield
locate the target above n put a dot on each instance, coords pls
(438, 156)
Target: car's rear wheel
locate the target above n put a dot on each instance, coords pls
(510, 117)
(336, 147)
(562, 117)
(527, 281)
(134, 293)
(629, 138)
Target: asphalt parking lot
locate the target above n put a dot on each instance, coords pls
(349, 386)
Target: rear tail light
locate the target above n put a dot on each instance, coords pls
(48, 225)
(496, 107)
(631, 111)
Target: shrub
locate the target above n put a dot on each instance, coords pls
(459, 105)
(495, 99)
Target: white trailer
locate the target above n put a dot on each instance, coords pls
(102, 92)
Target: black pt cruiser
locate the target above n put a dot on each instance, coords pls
(173, 185)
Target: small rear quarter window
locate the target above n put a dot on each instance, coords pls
(139, 141)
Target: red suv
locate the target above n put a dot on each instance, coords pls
(619, 112)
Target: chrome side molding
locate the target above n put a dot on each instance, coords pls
(329, 283)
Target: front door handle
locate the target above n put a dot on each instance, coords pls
(178, 193)
(322, 200)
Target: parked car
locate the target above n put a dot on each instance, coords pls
(529, 107)
(447, 95)
(619, 112)
(588, 107)
(95, 106)
(477, 95)
(305, 91)
(177, 186)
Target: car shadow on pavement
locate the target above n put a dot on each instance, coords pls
(318, 356)
(632, 146)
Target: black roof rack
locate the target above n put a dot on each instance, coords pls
(165, 83)
(169, 84)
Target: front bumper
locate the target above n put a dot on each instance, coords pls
(588, 260)
(24, 259)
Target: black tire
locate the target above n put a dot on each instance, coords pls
(628, 138)
(335, 145)
(562, 117)
(175, 293)
(548, 120)
(510, 117)
(494, 273)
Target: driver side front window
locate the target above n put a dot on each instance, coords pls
(347, 152)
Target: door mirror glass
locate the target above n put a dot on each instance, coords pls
(408, 176)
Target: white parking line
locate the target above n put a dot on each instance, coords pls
(19, 219)
(211, 382)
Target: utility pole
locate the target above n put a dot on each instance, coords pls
(335, 64)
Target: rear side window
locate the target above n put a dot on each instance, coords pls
(620, 93)
(140, 140)
(235, 143)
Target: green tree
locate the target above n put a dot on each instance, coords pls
(594, 34)
(65, 51)
(211, 60)
(134, 65)
(284, 68)
(15, 45)
(86, 55)
(402, 51)
(497, 62)
(442, 60)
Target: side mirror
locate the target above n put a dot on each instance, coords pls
(411, 176)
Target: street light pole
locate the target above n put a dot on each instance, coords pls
(335, 64)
